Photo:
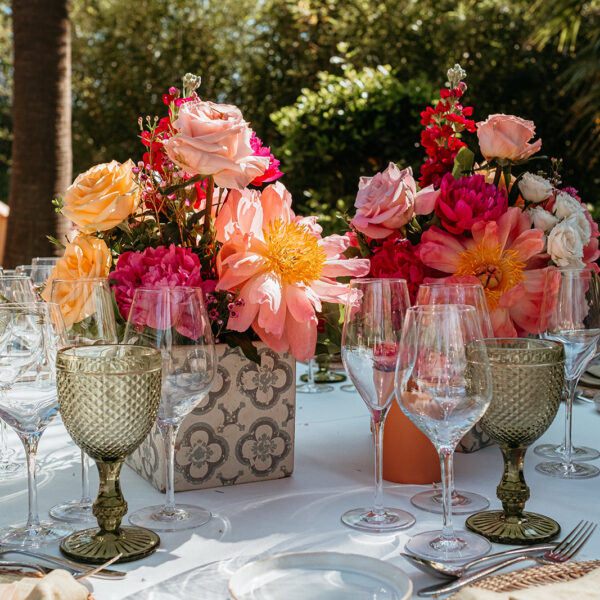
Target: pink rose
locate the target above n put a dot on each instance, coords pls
(506, 136)
(388, 201)
(213, 139)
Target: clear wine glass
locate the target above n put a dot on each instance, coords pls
(573, 305)
(471, 294)
(30, 402)
(87, 309)
(174, 320)
(443, 385)
(38, 274)
(45, 260)
(311, 387)
(370, 341)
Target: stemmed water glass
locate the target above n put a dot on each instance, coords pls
(174, 320)
(35, 332)
(471, 294)
(87, 310)
(310, 386)
(370, 340)
(39, 274)
(572, 303)
(443, 385)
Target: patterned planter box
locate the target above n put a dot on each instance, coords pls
(243, 431)
(475, 439)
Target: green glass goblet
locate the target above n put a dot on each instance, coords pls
(527, 380)
(108, 397)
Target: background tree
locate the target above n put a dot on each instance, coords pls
(41, 147)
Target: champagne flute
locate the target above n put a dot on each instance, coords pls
(87, 309)
(370, 339)
(572, 301)
(174, 320)
(443, 385)
(471, 294)
(31, 402)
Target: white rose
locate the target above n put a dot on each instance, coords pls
(542, 219)
(565, 244)
(565, 205)
(534, 188)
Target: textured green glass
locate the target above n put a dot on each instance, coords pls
(108, 397)
(527, 378)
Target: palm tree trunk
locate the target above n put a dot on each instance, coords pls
(41, 150)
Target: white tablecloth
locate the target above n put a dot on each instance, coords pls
(333, 473)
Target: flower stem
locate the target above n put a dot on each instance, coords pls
(210, 186)
(497, 175)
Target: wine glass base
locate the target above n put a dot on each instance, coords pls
(185, 516)
(20, 536)
(326, 377)
(364, 519)
(465, 546)
(349, 387)
(73, 512)
(558, 452)
(11, 470)
(572, 471)
(531, 528)
(92, 547)
(463, 503)
(308, 388)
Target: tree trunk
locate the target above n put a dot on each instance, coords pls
(41, 150)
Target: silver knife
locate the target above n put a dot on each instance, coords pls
(446, 588)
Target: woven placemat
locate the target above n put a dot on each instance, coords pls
(536, 576)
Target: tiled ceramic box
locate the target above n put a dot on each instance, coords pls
(243, 431)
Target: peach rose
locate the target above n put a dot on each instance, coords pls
(389, 200)
(85, 257)
(214, 140)
(507, 137)
(102, 197)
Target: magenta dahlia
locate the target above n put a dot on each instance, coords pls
(467, 201)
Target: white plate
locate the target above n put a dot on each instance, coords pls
(319, 576)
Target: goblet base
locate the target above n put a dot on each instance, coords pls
(94, 547)
(73, 512)
(11, 470)
(314, 388)
(464, 546)
(564, 471)
(21, 536)
(463, 503)
(185, 516)
(364, 519)
(348, 387)
(326, 377)
(532, 528)
(558, 452)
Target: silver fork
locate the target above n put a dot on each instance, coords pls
(563, 552)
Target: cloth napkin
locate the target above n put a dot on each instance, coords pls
(57, 585)
(583, 588)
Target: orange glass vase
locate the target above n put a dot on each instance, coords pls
(408, 455)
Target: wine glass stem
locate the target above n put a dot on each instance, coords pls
(571, 391)
(169, 434)
(311, 372)
(3, 443)
(378, 420)
(447, 468)
(85, 481)
(30, 442)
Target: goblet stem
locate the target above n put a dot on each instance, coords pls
(571, 391)
(168, 432)
(377, 422)
(86, 499)
(30, 442)
(3, 443)
(512, 491)
(311, 373)
(447, 468)
(110, 506)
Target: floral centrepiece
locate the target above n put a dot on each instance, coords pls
(193, 212)
(487, 218)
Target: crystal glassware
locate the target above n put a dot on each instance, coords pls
(108, 397)
(30, 402)
(443, 385)
(174, 320)
(311, 386)
(370, 340)
(572, 305)
(38, 274)
(527, 382)
(87, 309)
(45, 260)
(471, 294)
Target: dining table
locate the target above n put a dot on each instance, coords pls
(333, 471)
